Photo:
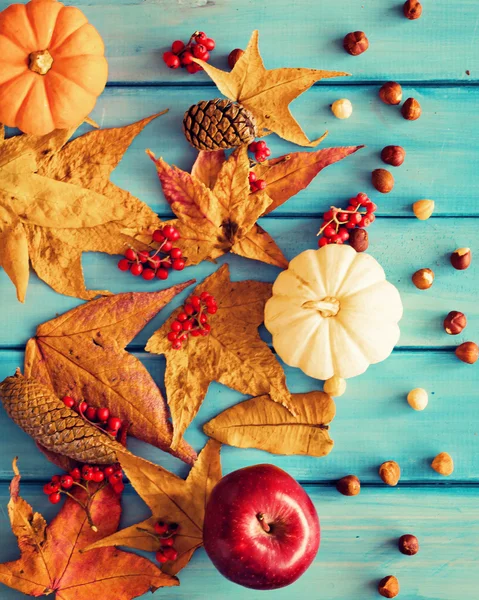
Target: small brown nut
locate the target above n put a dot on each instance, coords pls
(390, 472)
(408, 544)
(412, 9)
(411, 109)
(461, 258)
(382, 180)
(443, 464)
(349, 485)
(455, 322)
(388, 587)
(393, 155)
(423, 209)
(355, 43)
(391, 93)
(423, 279)
(359, 239)
(418, 398)
(234, 57)
(468, 352)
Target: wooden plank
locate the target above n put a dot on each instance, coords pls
(401, 245)
(373, 423)
(438, 47)
(358, 546)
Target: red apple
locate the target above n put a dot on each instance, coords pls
(261, 529)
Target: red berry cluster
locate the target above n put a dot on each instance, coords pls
(100, 417)
(337, 222)
(166, 532)
(181, 55)
(61, 484)
(192, 319)
(261, 153)
(156, 262)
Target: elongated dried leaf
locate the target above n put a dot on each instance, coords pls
(52, 558)
(267, 93)
(265, 425)
(57, 201)
(81, 353)
(170, 499)
(233, 353)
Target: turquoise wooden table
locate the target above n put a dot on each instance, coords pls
(436, 60)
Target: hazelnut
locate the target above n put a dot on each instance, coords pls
(356, 43)
(234, 57)
(411, 109)
(418, 399)
(390, 472)
(423, 279)
(349, 485)
(461, 258)
(468, 352)
(443, 464)
(455, 322)
(342, 109)
(359, 239)
(423, 209)
(391, 93)
(393, 155)
(382, 180)
(335, 386)
(388, 587)
(412, 9)
(408, 544)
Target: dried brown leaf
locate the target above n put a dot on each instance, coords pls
(265, 425)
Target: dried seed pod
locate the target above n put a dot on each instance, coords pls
(35, 408)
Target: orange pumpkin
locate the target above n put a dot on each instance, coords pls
(52, 66)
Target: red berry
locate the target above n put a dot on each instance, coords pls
(211, 310)
(179, 264)
(116, 477)
(158, 236)
(176, 253)
(102, 414)
(182, 316)
(206, 328)
(322, 242)
(371, 217)
(118, 487)
(194, 68)
(162, 274)
(200, 36)
(171, 60)
(205, 57)
(109, 471)
(342, 217)
(329, 231)
(66, 482)
(328, 215)
(170, 553)
(68, 401)
(154, 262)
(209, 43)
(260, 157)
(343, 234)
(355, 218)
(187, 326)
(195, 301)
(253, 147)
(176, 326)
(340, 241)
(98, 476)
(82, 407)
(335, 238)
(160, 557)
(170, 541)
(210, 300)
(172, 335)
(136, 269)
(253, 188)
(261, 145)
(148, 274)
(161, 528)
(372, 207)
(114, 423)
(183, 337)
(252, 177)
(170, 232)
(75, 474)
(54, 498)
(189, 309)
(350, 225)
(56, 478)
(203, 319)
(261, 184)
(177, 46)
(205, 295)
(90, 413)
(51, 488)
(365, 222)
(267, 152)
(143, 256)
(130, 254)
(87, 473)
(351, 208)
(123, 264)
(362, 197)
(176, 345)
(166, 246)
(196, 332)
(199, 51)
(166, 263)
(186, 58)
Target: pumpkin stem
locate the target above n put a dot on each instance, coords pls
(40, 62)
(327, 307)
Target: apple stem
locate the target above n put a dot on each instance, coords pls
(263, 523)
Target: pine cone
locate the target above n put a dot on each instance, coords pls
(35, 408)
(218, 125)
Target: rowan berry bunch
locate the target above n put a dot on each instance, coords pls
(181, 54)
(156, 262)
(99, 417)
(261, 153)
(192, 319)
(166, 533)
(338, 222)
(65, 484)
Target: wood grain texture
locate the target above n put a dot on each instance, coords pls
(373, 423)
(358, 546)
(438, 47)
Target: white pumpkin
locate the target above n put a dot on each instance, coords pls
(333, 313)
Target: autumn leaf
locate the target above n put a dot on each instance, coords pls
(57, 201)
(265, 425)
(216, 210)
(267, 93)
(170, 499)
(82, 354)
(232, 354)
(52, 561)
